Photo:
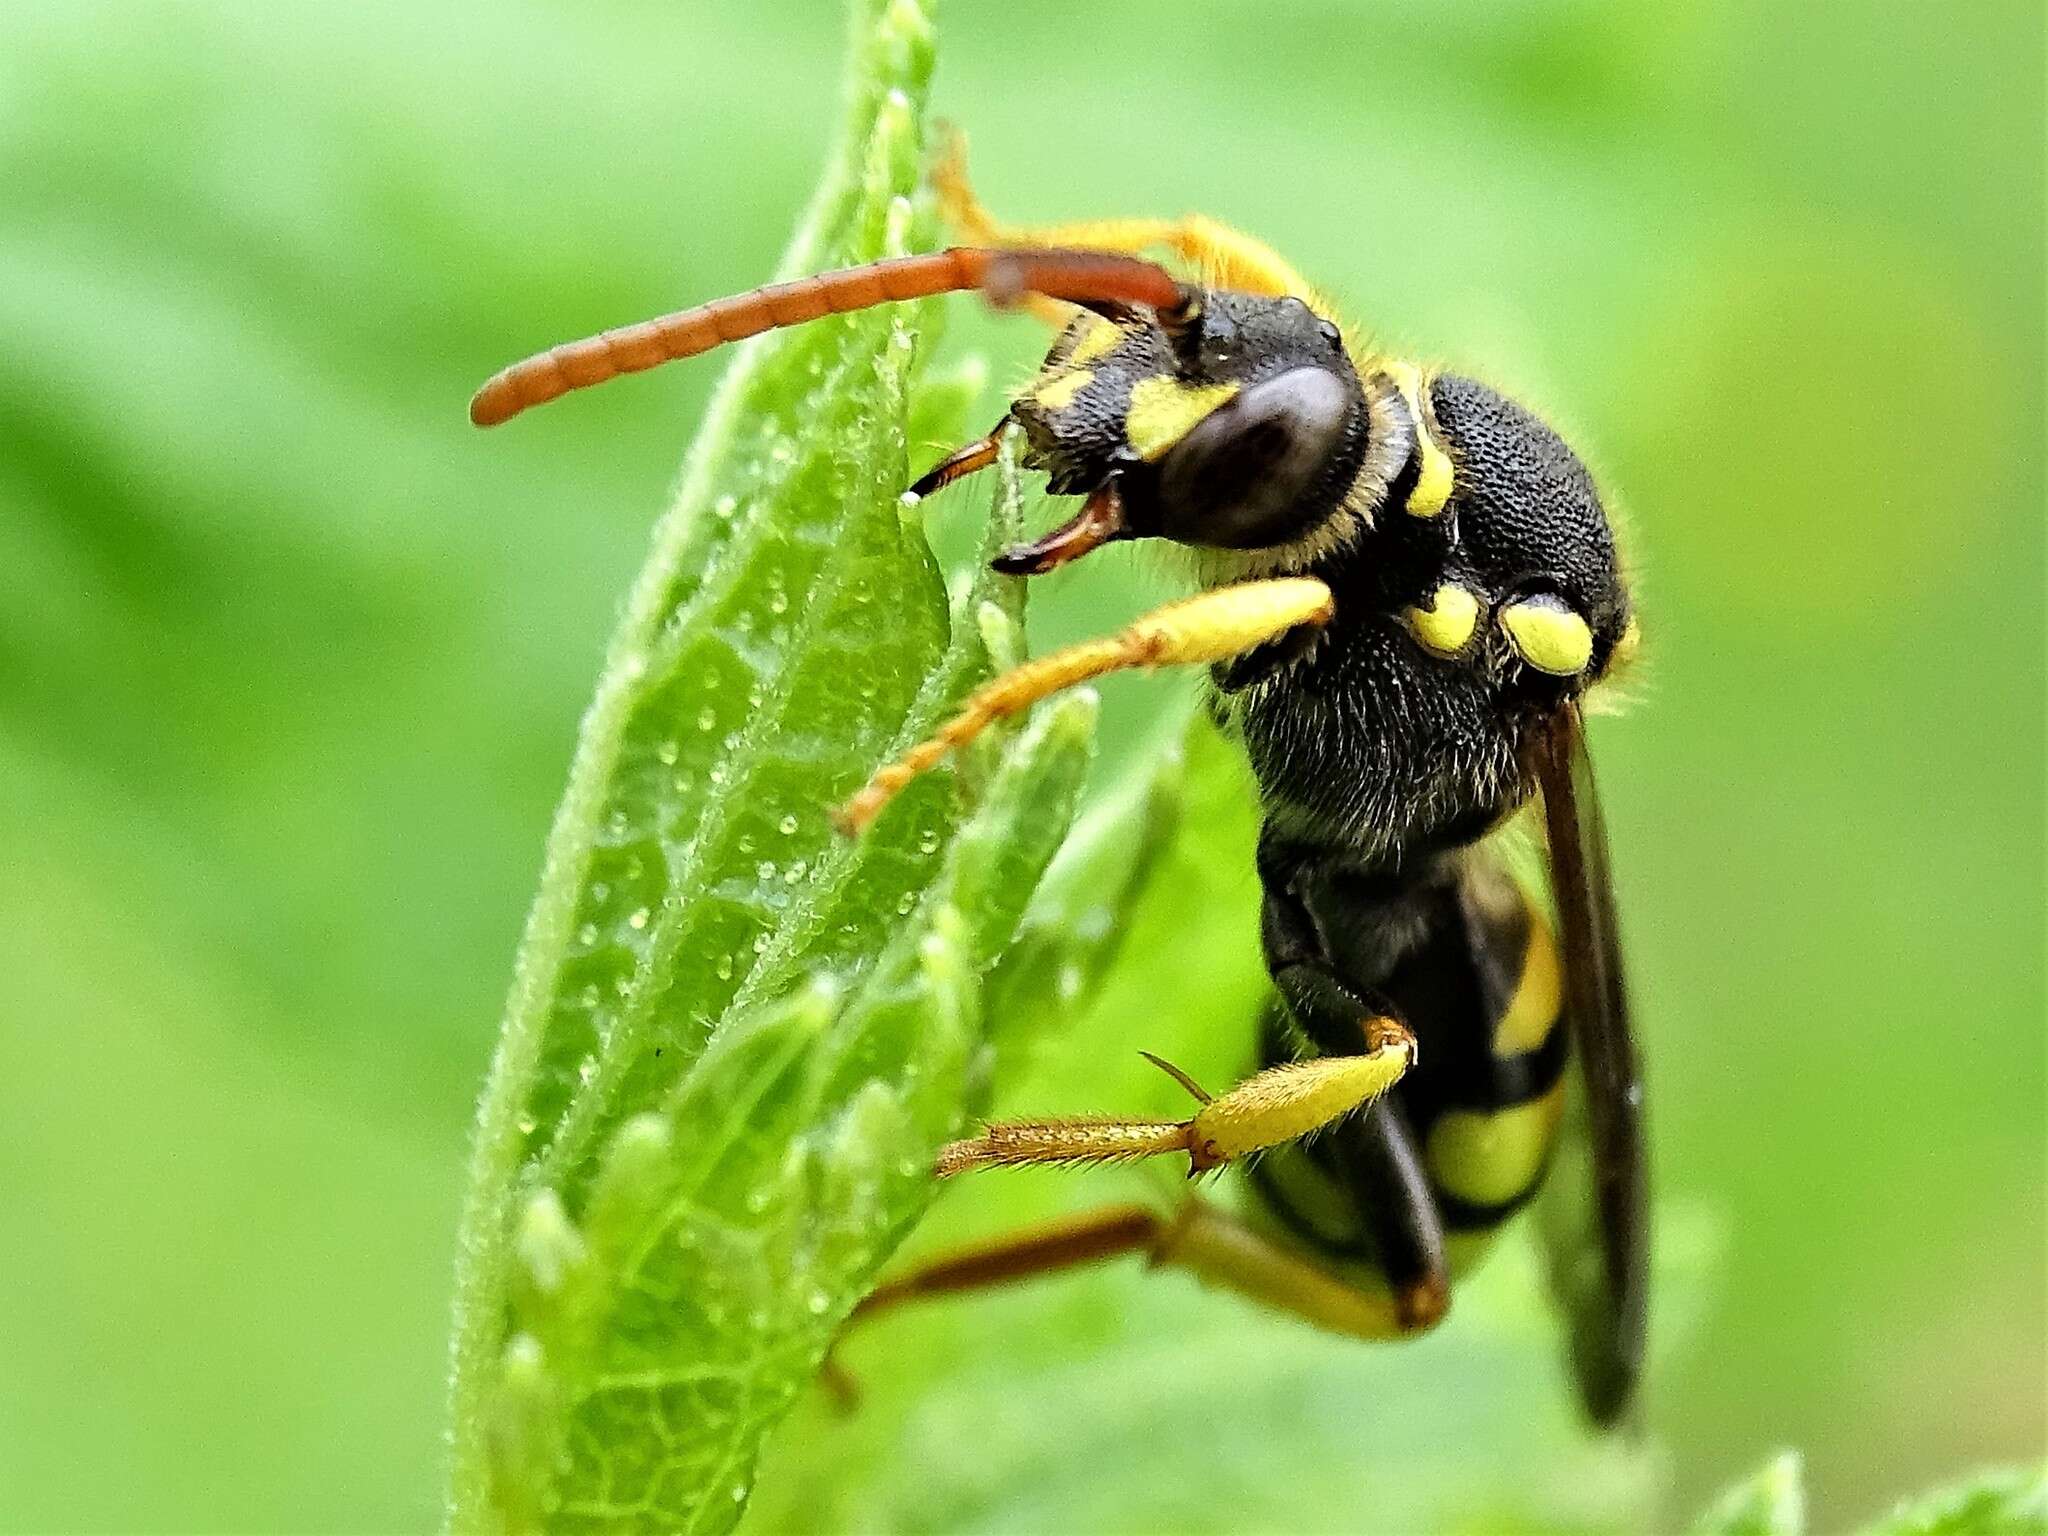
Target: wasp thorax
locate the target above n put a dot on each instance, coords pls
(1505, 578)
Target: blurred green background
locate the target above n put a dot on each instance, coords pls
(291, 660)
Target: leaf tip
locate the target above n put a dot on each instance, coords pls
(906, 35)
(942, 952)
(636, 1170)
(1001, 635)
(1772, 1502)
(524, 1444)
(550, 1248)
(1072, 727)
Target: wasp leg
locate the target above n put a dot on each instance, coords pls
(1228, 1253)
(1226, 258)
(1374, 1161)
(1362, 1194)
(1278, 1105)
(1326, 1011)
(1199, 1238)
(1214, 626)
(1066, 1242)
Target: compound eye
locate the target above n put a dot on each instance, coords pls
(1237, 480)
(1548, 634)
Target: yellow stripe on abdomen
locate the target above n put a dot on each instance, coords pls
(1532, 1010)
(1491, 1157)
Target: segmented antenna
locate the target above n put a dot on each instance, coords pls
(1094, 279)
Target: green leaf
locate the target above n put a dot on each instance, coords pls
(1076, 925)
(2003, 1503)
(1770, 1503)
(735, 1039)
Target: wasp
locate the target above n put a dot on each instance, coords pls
(1408, 584)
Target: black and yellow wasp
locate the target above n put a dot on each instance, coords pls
(1409, 583)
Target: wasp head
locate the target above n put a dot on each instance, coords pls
(1240, 426)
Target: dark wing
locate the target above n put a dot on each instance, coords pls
(1595, 1216)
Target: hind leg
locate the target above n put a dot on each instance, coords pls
(1200, 1238)
(1279, 1105)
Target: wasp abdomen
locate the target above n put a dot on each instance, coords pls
(1475, 967)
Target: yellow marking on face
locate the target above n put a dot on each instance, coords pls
(1446, 625)
(1532, 1012)
(1548, 635)
(1057, 393)
(1164, 410)
(1100, 340)
(1435, 475)
(1491, 1157)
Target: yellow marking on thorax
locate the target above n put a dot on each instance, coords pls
(1532, 1012)
(1100, 339)
(1057, 392)
(1434, 480)
(1548, 635)
(1446, 625)
(1491, 1157)
(1163, 410)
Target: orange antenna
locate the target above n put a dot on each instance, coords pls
(1096, 279)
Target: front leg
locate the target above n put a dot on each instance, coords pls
(1213, 626)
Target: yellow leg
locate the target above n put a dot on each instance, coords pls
(1199, 1238)
(1225, 257)
(1215, 626)
(1225, 1252)
(1280, 1104)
